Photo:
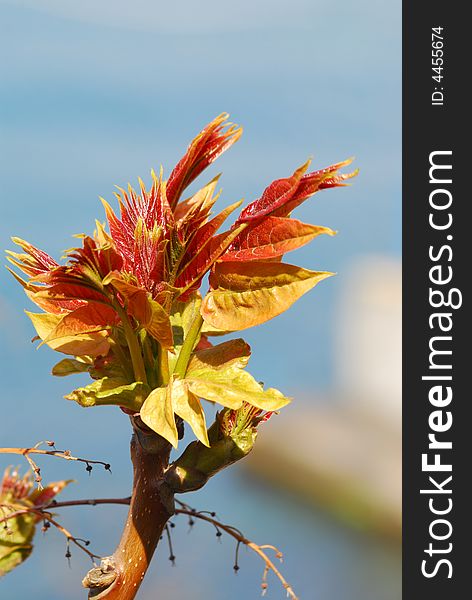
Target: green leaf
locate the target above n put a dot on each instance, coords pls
(158, 414)
(232, 386)
(15, 541)
(110, 391)
(68, 366)
(182, 317)
(247, 294)
(16, 534)
(12, 556)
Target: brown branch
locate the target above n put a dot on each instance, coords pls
(120, 575)
(185, 509)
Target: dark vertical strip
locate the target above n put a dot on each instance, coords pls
(437, 421)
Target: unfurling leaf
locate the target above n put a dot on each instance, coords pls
(126, 303)
(110, 391)
(158, 414)
(247, 294)
(232, 437)
(202, 151)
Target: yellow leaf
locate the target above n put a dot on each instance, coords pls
(158, 414)
(232, 386)
(247, 294)
(188, 407)
(233, 352)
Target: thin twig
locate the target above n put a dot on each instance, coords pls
(65, 454)
(241, 539)
(42, 513)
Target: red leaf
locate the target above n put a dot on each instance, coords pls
(275, 195)
(203, 344)
(212, 141)
(63, 288)
(34, 262)
(144, 229)
(272, 237)
(313, 182)
(283, 195)
(191, 276)
(204, 234)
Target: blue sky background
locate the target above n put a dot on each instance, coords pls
(95, 94)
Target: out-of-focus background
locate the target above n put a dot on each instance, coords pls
(95, 94)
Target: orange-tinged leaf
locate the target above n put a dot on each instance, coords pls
(86, 319)
(272, 237)
(149, 313)
(70, 290)
(158, 414)
(247, 294)
(94, 344)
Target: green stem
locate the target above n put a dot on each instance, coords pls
(133, 345)
(164, 373)
(124, 361)
(188, 346)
